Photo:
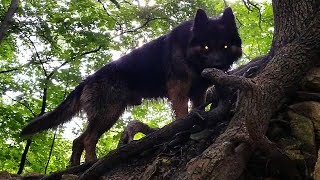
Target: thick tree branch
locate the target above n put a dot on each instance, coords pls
(218, 77)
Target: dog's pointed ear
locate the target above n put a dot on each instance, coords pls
(200, 21)
(228, 17)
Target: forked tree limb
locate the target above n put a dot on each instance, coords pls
(259, 62)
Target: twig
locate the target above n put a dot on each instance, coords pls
(248, 5)
(259, 12)
(37, 55)
(72, 59)
(138, 28)
(23, 104)
(225, 3)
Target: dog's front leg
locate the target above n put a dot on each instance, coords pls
(178, 91)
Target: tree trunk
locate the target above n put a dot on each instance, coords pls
(6, 23)
(295, 49)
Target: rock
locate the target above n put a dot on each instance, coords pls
(302, 129)
(294, 154)
(316, 173)
(292, 148)
(311, 110)
(312, 80)
(278, 128)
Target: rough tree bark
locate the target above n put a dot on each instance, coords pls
(295, 49)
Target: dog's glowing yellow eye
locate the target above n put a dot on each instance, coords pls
(225, 46)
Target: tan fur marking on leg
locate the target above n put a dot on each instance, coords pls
(178, 95)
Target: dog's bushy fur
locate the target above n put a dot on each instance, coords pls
(169, 66)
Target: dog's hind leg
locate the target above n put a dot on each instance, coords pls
(100, 122)
(77, 149)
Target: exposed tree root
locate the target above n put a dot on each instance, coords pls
(132, 128)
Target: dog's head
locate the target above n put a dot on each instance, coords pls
(215, 42)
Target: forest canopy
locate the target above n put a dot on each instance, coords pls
(52, 45)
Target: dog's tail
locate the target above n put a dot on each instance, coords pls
(63, 113)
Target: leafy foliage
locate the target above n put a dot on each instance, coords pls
(52, 45)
